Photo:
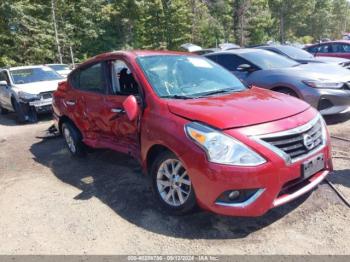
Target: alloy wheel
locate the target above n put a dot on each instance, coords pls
(69, 140)
(173, 183)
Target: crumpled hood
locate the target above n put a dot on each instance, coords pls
(38, 87)
(251, 107)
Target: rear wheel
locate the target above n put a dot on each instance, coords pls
(73, 140)
(172, 184)
(287, 91)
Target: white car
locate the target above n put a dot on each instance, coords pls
(27, 91)
(61, 69)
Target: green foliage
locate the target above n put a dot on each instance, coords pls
(90, 27)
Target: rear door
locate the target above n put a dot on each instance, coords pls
(85, 101)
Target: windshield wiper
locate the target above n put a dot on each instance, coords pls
(179, 97)
(222, 91)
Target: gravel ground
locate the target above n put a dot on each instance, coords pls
(53, 204)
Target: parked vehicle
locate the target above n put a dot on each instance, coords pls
(61, 69)
(198, 132)
(27, 90)
(195, 49)
(339, 48)
(304, 57)
(322, 86)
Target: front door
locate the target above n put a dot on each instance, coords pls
(123, 133)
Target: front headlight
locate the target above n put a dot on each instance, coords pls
(324, 84)
(222, 149)
(28, 97)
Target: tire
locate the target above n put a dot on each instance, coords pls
(21, 117)
(73, 140)
(286, 91)
(175, 193)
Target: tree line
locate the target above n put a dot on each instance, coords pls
(37, 31)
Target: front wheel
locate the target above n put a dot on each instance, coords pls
(20, 112)
(73, 140)
(172, 185)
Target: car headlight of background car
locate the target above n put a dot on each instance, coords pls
(27, 97)
(222, 149)
(323, 84)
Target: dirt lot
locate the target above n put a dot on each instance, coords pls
(53, 204)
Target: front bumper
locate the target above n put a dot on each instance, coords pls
(270, 180)
(275, 182)
(330, 101)
(42, 106)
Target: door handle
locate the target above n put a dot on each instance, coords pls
(117, 110)
(70, 102)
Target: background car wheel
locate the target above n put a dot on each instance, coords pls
(286, 91)
(172, 185)
(73, 140)
(21, 117)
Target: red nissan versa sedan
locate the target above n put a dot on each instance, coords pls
(198, 132)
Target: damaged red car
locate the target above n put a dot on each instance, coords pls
(202, 136)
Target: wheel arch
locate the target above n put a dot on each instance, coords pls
(65, 119)
(294, 90)
(152, 154)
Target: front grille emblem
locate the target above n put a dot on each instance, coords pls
(308, 141)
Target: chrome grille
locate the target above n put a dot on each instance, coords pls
(299, 142)
(46, 95)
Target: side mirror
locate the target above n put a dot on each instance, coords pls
(3, 83)
(245, 68)
(62, 86)
(131, 107)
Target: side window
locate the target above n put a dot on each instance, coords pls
(312, 49)
(230, 62)
(4, 77)
(337, 48)
(90, 79)
(324, 49)
(123, 81)
(345, 48)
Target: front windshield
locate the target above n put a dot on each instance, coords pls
(295, 53)
(268, 60)
(189, 76)
(35, 74)
(59, 67)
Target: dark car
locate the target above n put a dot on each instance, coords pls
(304, 57)
(325, 87)
(339, 48)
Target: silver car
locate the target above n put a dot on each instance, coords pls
(324, 86)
